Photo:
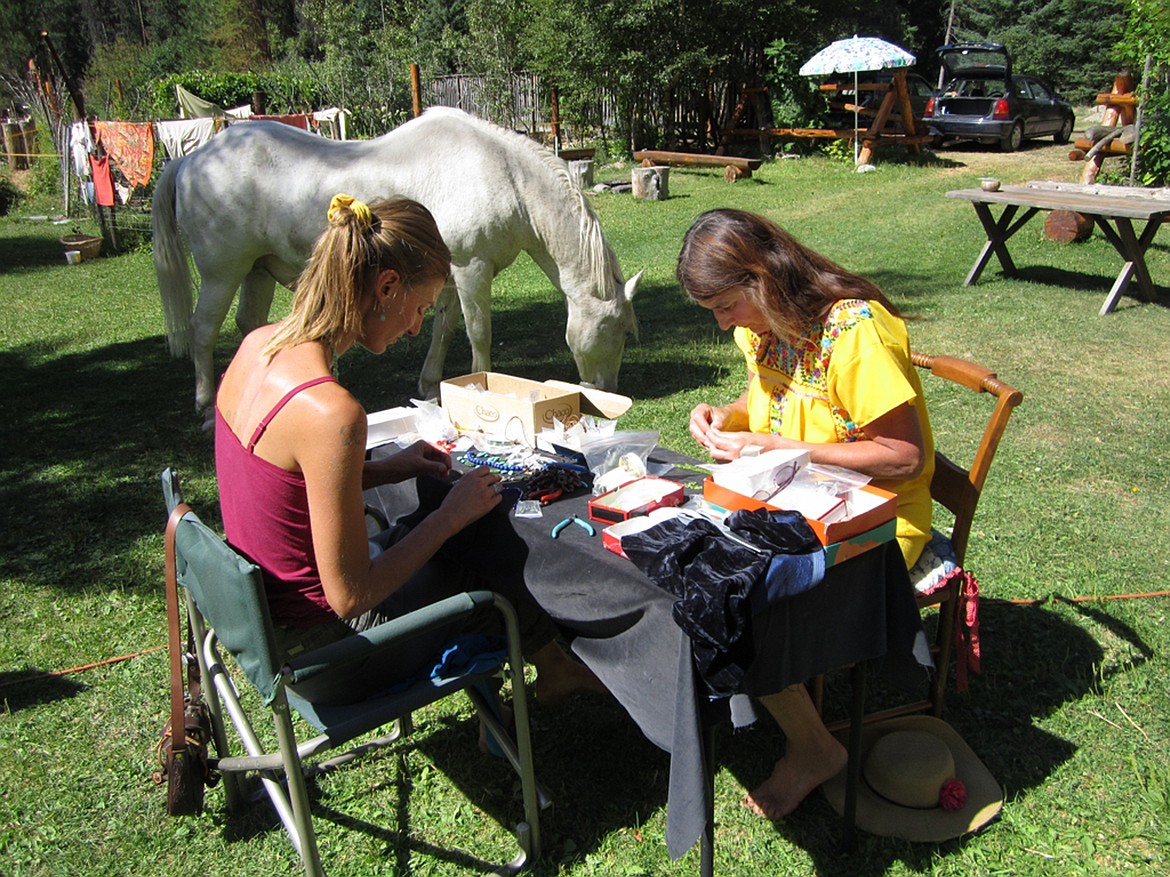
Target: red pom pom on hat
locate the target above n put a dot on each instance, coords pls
(952, 795)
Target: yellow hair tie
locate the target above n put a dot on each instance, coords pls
(359, 209)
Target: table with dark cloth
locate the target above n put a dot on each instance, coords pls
(620, 624)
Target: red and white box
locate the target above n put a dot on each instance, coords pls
(867, 508)
(638, 497)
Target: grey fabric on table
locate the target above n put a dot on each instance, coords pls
(621, 625)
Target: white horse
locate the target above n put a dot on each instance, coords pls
(252, 201)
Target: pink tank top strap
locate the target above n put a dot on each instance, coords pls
(263, 425)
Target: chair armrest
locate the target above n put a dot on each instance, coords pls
(393, 632)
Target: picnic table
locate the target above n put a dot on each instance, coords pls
(1113, 209)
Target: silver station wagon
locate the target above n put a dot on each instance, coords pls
(983, 100)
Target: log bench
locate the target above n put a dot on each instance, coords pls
(734, 167)
(577, 154)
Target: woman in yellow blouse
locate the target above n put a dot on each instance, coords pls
(829, 371)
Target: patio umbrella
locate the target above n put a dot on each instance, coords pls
(853, 56)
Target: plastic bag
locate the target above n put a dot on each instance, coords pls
(432, 423)
(618, 458)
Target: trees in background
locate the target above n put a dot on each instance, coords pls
(648, 57)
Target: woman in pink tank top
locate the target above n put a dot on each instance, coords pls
(290, 461)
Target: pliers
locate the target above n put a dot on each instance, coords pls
(546, 494)
(573, 519)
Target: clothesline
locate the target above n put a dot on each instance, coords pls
(131, 145)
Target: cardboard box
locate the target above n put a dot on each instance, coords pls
(611, 536)
(869, 508)
(385, 426)
(518, 408)
(762, 475)
(850, 547)
(638, 497)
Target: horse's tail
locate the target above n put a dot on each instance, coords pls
(170, 262)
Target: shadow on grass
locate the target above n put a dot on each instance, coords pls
(601, 773)
(25, 688)
(89, 433)
(1034, 663)
(32, 252)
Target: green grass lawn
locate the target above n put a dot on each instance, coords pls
(1071, 712)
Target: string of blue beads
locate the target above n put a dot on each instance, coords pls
(493, 461)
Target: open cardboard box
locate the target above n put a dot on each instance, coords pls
(519, 408)
(638, 497)
(385, 426)
(869, 508)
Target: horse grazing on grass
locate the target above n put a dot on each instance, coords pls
(251, 203)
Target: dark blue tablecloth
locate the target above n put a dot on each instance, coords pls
(621, 625)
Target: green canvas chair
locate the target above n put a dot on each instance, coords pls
(228, 611)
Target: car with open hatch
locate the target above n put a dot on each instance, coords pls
(983, 100)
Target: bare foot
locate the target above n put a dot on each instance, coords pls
(793, 779)
(553, 688)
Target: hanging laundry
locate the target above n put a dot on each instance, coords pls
(192, 106)
(184, 136)
(103, 183)
(80, 147)
(297, 120)
(131, 146)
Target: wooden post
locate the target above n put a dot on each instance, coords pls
(415, 90)
(650, 183)
(1114, 116)
(555, 122)
(582, 173)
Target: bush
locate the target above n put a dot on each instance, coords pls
(1154, 150)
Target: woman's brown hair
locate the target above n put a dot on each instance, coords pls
(793, 286)
(357, 245)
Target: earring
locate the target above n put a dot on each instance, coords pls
(382, 314)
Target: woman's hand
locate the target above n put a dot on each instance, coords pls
(704, 419)
(726, 446)
(421, 458)
(721, 430)
(471, 497)
(426, 460)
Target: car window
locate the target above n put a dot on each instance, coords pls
(1039, 90)
(1022, 89)
(920, 87)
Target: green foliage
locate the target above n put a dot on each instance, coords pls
(1145, 46)
(287, 90)
(1065, 42)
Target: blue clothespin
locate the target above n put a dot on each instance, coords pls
(584, 525)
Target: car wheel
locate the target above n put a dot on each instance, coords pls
(1065, 132)
(1014, 138)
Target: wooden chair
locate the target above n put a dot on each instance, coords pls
(957, 489)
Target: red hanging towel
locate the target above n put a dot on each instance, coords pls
(131, 146)
(103, 185)
(297, 120)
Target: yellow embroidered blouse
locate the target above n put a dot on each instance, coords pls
(826, 385)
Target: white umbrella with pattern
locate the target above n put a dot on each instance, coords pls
(855, 55)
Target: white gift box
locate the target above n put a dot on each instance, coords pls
(763, 475)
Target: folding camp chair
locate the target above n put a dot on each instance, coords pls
(227, 608)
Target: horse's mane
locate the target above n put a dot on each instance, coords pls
(602, 261)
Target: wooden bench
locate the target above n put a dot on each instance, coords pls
(577, 154)
(734, 167)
